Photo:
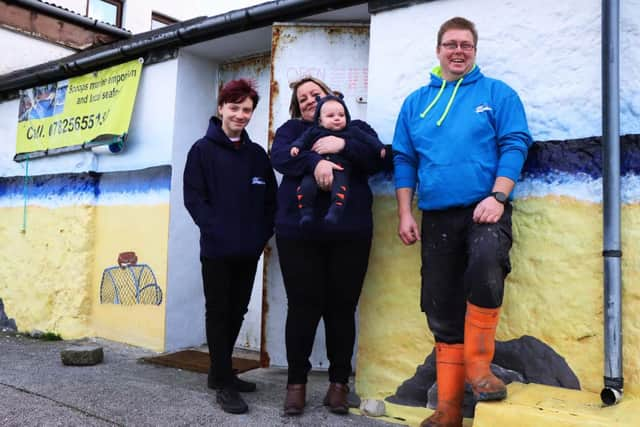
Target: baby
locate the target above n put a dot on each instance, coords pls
(331, 118)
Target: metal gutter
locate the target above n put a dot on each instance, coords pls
(68, 16)
(612, 250)
(376, 6)
(176, 35)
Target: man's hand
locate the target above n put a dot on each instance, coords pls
(323, 173)
(488, 211)
(408, 229)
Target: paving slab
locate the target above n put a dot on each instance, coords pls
(37, 389)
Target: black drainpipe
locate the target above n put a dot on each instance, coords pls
(173, 36)
(612, 251)
(69, 16)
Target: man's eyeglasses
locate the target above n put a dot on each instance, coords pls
(467, 47)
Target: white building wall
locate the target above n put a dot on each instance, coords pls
(194, 104)
(150, 134)
(136, 15)
(548, 51)
(21, 51)
(78, 6)
(148, 144)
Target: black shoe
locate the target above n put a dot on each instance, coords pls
(212, 384)
(243, 386)
(230, 401)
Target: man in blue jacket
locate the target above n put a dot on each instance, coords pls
(461, 141)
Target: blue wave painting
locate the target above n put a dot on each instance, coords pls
(146, 186)
(571, 168)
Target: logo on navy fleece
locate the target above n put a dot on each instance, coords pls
(257, 180)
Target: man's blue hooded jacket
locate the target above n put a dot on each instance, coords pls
(452, 139)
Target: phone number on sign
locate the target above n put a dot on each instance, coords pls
(77, 123)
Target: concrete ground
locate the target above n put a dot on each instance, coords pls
(36, 389)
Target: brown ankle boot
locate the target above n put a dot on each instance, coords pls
(450, 377)
(479, 347)
(295, 400)
(336, 398)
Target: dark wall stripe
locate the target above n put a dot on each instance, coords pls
(580, 155)
(155, 178)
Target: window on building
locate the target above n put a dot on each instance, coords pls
(158, 20)
(109, 11)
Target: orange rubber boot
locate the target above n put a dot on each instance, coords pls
(479, 347)
(450, 377)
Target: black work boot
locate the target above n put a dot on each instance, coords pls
(243, 386)
(230, 400)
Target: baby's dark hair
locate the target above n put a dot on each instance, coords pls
(320, 101)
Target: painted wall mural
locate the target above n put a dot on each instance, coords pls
(551, 329)
(554, 294)
(525, 360)
(129, 283)
(64, 230)
(553, 297)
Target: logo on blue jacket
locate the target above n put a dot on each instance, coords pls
(256, 180)
(482, 108)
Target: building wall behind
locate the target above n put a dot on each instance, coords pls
(549, 52)
(20, 51)
(196, 91)
(62, 232)
(137, 13)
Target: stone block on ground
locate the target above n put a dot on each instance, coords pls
(84, 355)
(372, 407)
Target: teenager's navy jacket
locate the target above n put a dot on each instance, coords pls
(365, 160)
(230, 193)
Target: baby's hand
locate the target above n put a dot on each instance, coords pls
(383, 153)
(294, 151)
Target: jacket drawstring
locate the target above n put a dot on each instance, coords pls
(430, 106)
(448, 107)
(435, 100)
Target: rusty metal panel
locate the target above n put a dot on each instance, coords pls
(257, 69)
(338, 54)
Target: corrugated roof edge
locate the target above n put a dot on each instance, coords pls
(177, 35)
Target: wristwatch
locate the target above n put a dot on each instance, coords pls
(500, 197)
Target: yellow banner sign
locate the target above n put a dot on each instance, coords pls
(78, 110)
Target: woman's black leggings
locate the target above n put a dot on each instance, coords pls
(322, 279)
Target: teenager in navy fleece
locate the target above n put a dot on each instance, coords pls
(230, 192)
(331, 118)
